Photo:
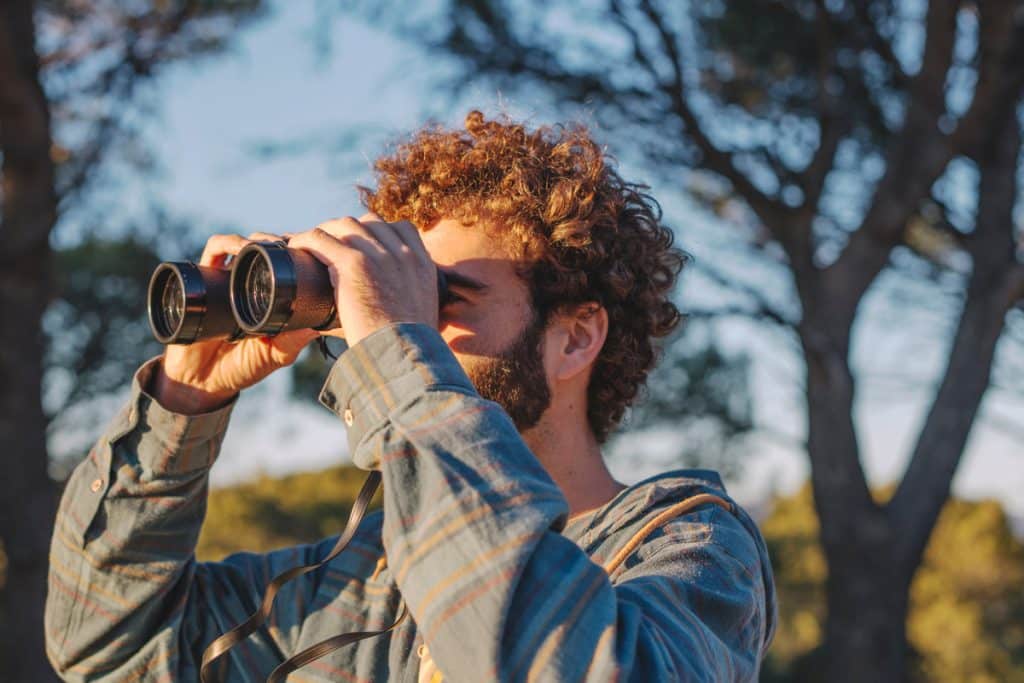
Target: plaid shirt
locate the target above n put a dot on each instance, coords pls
(500, 584)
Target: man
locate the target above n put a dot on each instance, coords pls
(516, 553)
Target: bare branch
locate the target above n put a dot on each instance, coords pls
(879, 43)
(990, 294)
(761, 307)
(772, 213)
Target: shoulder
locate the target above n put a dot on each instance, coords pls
(682, 526)
(684, 511)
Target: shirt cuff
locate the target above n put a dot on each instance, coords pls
(170, 443)
(388, 369)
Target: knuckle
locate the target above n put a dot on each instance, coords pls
(327, 227)
(349, 241)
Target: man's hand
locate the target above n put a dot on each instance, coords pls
(200, 377)
(381, 273)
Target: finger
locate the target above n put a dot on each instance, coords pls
(411, 237)
(328, 249)
(348, 228)
(384, 233)
(333, 332)
(219, 247)
(267, 237)
(287, 346)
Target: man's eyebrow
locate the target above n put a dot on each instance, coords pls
(459, 280)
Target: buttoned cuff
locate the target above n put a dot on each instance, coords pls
(149, 438)
(170, 443)
(386, 370)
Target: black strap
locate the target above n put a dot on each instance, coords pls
(239, 633)
(325, 647)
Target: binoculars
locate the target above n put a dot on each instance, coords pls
(267, 289)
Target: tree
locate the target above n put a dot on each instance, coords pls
(842, 129)
(966, 618)
(72, 77)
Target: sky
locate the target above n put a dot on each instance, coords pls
(275, 89)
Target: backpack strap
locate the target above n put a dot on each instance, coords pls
(665, 515)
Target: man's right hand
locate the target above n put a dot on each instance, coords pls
(203, 376)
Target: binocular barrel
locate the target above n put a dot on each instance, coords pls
(274, 288)
(187, 303)
(268, 288)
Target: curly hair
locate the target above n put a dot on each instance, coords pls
(556, 202)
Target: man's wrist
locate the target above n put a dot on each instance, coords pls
(184, 399)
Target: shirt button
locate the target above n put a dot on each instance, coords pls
(96, 485)
(348, 417)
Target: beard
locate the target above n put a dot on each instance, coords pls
(515, 378)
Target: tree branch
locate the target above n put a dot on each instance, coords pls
(990, 295)
(773, 214)
(879, 43)
(833, 126)
(761, 307)
(915, 159)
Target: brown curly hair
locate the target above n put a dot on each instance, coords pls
(557, 203)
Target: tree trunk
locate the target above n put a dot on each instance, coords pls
(865, 638)
(27, 495)
(865, 635)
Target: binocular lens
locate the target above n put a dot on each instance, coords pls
(259, 290)
(172, 305)
(189, 302)
(171, 317)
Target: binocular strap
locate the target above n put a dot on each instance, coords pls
(239, 633)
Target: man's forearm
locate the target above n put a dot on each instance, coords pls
(124, 539)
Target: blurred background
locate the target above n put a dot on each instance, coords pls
(847, 177)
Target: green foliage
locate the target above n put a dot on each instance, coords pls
(966, 618)
(97, 326)
(276, 512)
(97, 335)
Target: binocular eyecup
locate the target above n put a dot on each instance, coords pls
(267, 289)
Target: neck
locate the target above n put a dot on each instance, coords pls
(568, 450)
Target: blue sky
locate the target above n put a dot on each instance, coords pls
(274, 87)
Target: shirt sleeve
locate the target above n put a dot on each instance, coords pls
(127, 600)
(471, 530)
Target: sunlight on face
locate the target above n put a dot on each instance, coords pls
(491, 304)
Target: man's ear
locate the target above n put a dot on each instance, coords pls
(579, 335)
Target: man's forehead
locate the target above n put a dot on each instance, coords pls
(472, 252)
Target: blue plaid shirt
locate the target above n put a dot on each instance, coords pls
(474, 536)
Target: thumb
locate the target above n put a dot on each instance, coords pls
(288, 345)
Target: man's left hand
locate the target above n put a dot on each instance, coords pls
(381, 273)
